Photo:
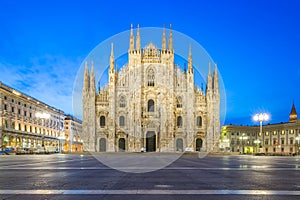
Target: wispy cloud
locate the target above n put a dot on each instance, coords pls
(47, 78)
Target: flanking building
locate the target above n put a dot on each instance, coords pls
(27, 123)
(275, 139)
(73, 131)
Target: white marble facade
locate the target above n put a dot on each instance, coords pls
(150, 104)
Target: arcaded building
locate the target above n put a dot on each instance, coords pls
(26, 122)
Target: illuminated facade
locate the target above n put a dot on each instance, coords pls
(73, 131)
(150, 104)
(27, 123)
(280, 138)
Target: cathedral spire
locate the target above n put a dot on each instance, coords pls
(216, 79)
(190, 60)
(131, 48)
(112, 58)
(293, 114)
(209, 80)
(138, 38)
(92, 79)
(86, 80)
(164, 45)
(170, 45)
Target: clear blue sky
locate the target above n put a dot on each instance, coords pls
(255, 43)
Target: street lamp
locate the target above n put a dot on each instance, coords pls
(261, 117)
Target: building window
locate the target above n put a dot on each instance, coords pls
(12, 109)
(5, 97)
(122, 102)
(150, 105)
(266, 142)
(179, 102)
(13, 125)
(282, 132)
(282, 141)
(5, 123)
(5, 107)
(102, 121)
(19, 126)
(13, 100)
(291, 141)
(19, 111)
(267, 133)
(179, 121)
(274, 133)
(122, 121)
(25, 113)
(151, 77)
(199, 121)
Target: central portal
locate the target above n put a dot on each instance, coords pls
(150, 141)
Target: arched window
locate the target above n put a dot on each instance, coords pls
(179, 121)
(199, 121)
(151, 77)
(102, 121)
(179, 102)
(122, 102)
(122, 121)
(150, 105)
(13, 125)
(5, 123)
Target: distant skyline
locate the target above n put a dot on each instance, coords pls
(255, 43)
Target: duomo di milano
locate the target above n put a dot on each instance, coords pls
(150, 103)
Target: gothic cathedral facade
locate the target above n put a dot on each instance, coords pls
(150, 104)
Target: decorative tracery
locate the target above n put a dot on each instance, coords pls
(151, 77)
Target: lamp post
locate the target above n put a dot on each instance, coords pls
(260, 117)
